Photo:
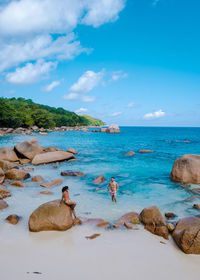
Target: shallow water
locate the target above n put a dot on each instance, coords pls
(143, 179)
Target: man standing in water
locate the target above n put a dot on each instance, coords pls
(113, 189)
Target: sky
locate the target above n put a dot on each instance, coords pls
(132, 63)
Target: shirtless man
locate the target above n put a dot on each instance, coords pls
(113, 189)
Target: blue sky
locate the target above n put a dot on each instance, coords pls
(134, 62)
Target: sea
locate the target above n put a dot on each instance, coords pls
(144, 179)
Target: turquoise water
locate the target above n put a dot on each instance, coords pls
(143, 179)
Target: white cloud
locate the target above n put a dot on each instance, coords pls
(131, 104)
(71, 96)
(30, 73)
(155, 115)
(86, 98)
(51, 86)
(88, 81)
(118, 75)
(116, 114)
(81, 110)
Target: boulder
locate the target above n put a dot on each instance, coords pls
(37, 178)
(73, 151)
(16, 174)
(187, 235)
(197, 206)
(52, 149)
(13, 219)
(3, 204)
(4, 192)
(72, 173)
(99, 179)
(186, 169)
(51, 216)
(2, 176)
(145, 151)
(6, 165)
(28, 149)
(113, 128)
(52, 157)
(154, 221)
(130, 153)
(131, 217)
(24, 161)
(7, 153)
(46, 192)
(18, 184)
(170, 215)
(51, 183)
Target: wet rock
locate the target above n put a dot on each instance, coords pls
(99, 179)
(187, 235)
(18, 184)
(73, 151)
(2, 176)
(52, 157)
(103, 224)
(51, 216)
(145, 151)
(4, 192)
(113, 128)
(197, 206)
(37, 178)
(28, 149)
(170, 215)
(93, 236)
(16, 174)
(43, 133)
(52, 149)
(130, 153)
(129, 218)
(13, 219)
(170, 227)
(72, 173)
(92, 221)
(77, 221)
(24, 161)
(6, 165)
(46, 192)
(154, 221)
(7, 153)
(28, 169)
(51, 183)
(3, 204)
(186, 169)
(128, 225)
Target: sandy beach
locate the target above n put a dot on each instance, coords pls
(120, 254)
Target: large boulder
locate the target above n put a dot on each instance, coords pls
(154, 221)
(6, 165)
(51, 216)
(2, 176)
(72, 173)
(16, 174)
(113, 128)
(186, 169)
(187, 235)
(7, 153)
(131, 217)
(52, 157)
(28, 149)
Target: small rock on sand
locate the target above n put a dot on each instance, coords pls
(93, 236)
(46, 192)
(13, 219)
(18, 184)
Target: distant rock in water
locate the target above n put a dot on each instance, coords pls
(130, 153)
(37, 178)
(52, 183)
(51, 216)
(16, 174)
(52, 157)
(72, 173)
(154, 221)
(72, 150)
(186, 169)
(99, 179)
(145, 151)
(113, 128)
(28, 149)
(187, 235)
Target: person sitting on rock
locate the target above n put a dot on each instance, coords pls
(113, 189)
(66, 199)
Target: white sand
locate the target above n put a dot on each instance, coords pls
(115, 254)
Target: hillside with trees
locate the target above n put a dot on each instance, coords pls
(20, 112)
